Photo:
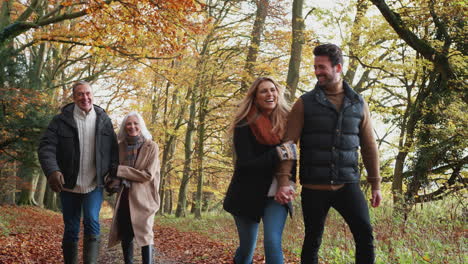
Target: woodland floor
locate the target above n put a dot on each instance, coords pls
(32, 235)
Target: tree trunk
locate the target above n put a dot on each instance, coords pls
(207, 198)
(397, 183)
(168, 149)
(27, 176)
(168, 153)
(51, 200)
(296, 49)
(439, 58)
(200, 152)
(8, 183)
(7, 46)
(354, 45)
(193, 203)
(188, 149)
(168, 202)
(39, 194)
(259, 24)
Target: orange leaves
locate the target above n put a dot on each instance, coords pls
(18, 104)
(66, 3)
(153, 28)
(33, 235)
(30, 235)
(190, 247)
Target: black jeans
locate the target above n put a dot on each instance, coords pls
(124, 221)
(349, 201)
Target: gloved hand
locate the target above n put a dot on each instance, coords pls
(113, 170)
(287, 151)
(112, 183)
(56, 181)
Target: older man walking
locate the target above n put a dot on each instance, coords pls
(78, 148)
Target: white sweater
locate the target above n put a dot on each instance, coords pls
(86, 125)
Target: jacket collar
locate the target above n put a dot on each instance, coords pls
(350, 98)
(67, 114)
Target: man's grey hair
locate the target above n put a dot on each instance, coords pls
(123, 132)
(78, 83)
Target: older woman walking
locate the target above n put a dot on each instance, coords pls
(138, 198)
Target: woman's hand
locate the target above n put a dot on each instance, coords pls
(284, 195)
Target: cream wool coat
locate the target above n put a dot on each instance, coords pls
(143, 194)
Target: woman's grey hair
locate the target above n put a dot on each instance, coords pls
(123, 132)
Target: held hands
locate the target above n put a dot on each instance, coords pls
(113, 170)
(287, 151)
(376, 198)
(284, 195)
(56, 181)
(112, 183)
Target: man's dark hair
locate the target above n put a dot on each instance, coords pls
(332, 51)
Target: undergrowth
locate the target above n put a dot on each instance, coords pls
(432, 233)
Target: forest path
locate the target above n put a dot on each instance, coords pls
(30, 235)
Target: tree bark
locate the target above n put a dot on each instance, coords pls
(361, 9)
(27, 176)
(296, 49)
(200, 152)
(20, 26)
(259, 25)
(39, 194)
(170, 138)
(440, 59)
(8, 183)
(51, 200)
(188, 150)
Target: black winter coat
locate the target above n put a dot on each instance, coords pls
(254, 170)
(59, 147)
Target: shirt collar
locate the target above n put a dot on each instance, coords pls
(78, 113)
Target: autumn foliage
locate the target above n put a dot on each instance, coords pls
(30, 235)
(34, 235)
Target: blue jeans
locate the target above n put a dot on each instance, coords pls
(274, 218)
(350, 202)
(72, 206)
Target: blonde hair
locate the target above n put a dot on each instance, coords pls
(278, 116)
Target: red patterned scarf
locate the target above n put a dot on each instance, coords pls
(261, 127)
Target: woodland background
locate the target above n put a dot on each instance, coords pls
(184, 64)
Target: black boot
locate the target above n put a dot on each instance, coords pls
(70, 252)
(90, 249)
(147, 254)
(127, 249)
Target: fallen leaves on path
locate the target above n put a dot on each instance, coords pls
(33, 235)
(190, 247)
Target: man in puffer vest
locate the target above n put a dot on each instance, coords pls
(332, 122)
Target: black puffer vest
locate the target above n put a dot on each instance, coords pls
(330, 138)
